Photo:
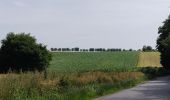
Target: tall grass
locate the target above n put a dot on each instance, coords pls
(76, 86)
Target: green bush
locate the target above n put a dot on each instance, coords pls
(152, 72)
(20, 52)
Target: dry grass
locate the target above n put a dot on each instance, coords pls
(105, 77)
(149, 59)
(31, 86)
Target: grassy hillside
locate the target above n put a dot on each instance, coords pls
(151, 59)
(84, 61)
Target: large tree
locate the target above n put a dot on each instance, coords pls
(21, 52)
(163, 43)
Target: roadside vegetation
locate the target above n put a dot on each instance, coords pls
(76, 86)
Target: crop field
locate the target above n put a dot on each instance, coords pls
(85, 61)
(149, 59)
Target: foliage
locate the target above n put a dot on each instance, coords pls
(152, 72)
(163, 43)
(147, 48)
(20, 52)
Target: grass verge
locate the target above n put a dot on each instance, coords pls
(84, 86)
(73, 86)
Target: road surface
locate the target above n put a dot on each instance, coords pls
(158, 89)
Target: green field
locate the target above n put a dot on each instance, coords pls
(85, 61)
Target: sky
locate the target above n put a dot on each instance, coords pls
(86, 23)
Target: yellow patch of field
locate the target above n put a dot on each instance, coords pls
(149, 59)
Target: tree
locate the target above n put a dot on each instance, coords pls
(163, 43)
(91, 49)
(20, 52)
(147, 48)
(76, 48)
(130, 49)
(52, 49)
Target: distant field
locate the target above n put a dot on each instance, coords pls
(84, 61)
(151, 59)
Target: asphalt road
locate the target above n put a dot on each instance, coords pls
(158, 89)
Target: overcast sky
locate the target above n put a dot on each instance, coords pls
(86, 23)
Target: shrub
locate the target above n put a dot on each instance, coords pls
(152, 72)
(20, 52)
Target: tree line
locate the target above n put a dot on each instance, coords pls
(77, 49)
